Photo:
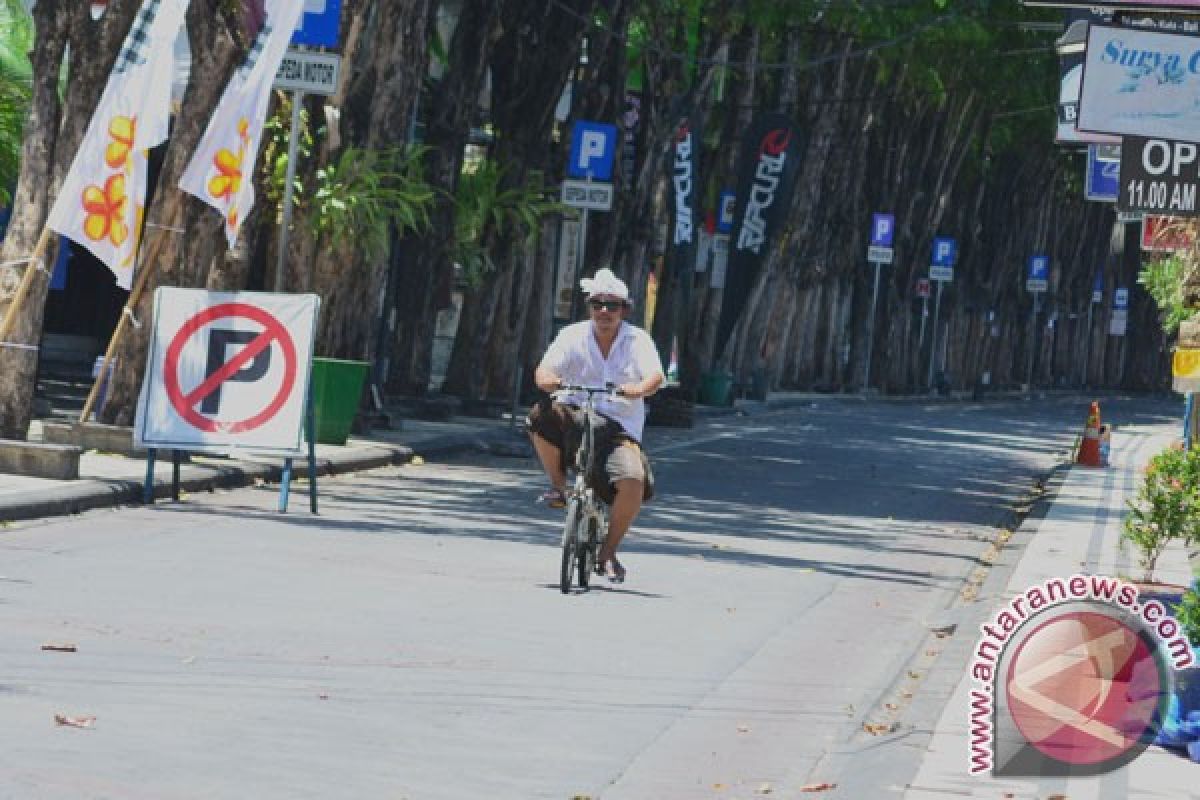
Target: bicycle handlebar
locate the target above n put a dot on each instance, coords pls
(611, 388)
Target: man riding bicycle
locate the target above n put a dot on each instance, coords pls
(605, 349)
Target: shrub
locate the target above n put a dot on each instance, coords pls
(1167, 506)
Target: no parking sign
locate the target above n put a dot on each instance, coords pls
(227, 370)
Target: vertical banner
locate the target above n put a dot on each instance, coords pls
(682, 243)
(767, 171)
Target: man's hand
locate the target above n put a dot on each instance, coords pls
(642, 388)
(546, 380)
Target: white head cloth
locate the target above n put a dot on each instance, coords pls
(605, 282)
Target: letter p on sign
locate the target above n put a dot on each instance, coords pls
(593, 145)
(883, 226)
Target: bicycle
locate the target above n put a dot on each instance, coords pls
(586, 524)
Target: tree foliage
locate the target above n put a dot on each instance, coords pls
(16, 81)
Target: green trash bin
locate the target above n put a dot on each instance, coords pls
(716, 389)
(337, 388)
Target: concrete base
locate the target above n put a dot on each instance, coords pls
(92, 436)
(37, 460)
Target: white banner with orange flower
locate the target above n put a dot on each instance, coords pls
(221, 172)
(102, 201)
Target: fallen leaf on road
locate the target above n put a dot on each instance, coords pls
(60, 648)
(1057, 797)
(718, 786)
(914, 675)
(890, 706)
(581, 797)
(875, 729)
(764, 789)
(74, 722)
(932, 652)
(818, 787)
(743, 728)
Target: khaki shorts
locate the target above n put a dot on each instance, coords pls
(620, 455)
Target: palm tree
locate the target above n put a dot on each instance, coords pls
(16, 80)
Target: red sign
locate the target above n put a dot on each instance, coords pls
(185, 403)
(923, 287)
(1167, 234)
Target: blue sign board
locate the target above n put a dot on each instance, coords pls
(1103, 180)
(593, 145)
(320, 23)
(883, 228)
(1039, 268)
(1121, 298)
(725, 211)
(945, 250)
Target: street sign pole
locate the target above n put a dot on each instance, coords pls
(293, 142)
(871, 328)
(1087, 345)
(1037, 297)
(924, 314)
(937, 308)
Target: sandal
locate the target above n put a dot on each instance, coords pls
(614, 571)
(554, 498)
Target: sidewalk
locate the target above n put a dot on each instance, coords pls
(1080, 533)
(108, 479)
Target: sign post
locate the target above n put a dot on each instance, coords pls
(941, 269)
(923, 292)
(300, 72)
(883, 228)
(1097, 297)
(1037, 281)
(589, 177)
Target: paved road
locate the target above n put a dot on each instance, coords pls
(410, 642)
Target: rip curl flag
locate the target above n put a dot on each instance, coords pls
(221, 172)
(770, 163)
(102, 201)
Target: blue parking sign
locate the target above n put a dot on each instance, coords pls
(1039, 268)
(945, 250)
(320, 23)
(725, 211)
(593, 145)
(883, 229)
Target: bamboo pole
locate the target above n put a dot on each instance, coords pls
(135, 295)
(10, 316)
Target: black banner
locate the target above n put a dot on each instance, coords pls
(767, 173)
(685, 145)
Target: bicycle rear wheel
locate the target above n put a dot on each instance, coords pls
(570, 545)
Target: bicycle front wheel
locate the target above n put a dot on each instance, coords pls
(587, 554)
(570, 545)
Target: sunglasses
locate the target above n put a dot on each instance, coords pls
(606, 305)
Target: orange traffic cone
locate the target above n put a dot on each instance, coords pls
(1089, 449)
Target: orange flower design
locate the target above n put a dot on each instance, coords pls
(106, 211)
(122, 130)
(228, 180)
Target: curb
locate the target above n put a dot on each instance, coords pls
(96, 493)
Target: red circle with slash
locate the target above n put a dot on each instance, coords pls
(185, 403)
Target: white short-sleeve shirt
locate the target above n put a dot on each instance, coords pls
(575, 357)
